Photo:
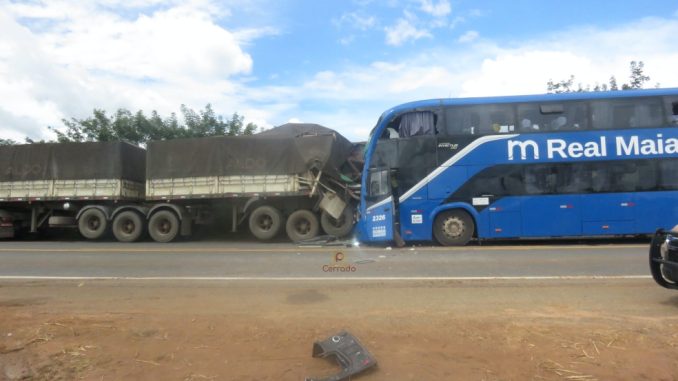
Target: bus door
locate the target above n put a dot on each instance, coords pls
(380, 212)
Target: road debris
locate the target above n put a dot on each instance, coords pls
(349, 353)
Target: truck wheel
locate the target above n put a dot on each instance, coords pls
(163, 226)
(128, 226)
(302, 225)
(453, 228)
(92, 223)
(340, 227)
(265, 222)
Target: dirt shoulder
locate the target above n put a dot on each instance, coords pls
(258, 330)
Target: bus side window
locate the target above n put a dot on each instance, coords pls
(417, 123)
(513, 183)
(600, 178)
(574, 178)
(461, 121)
(552, 116)
(625, 113)
(540, 179)
(624, 176)
(667, 171)
(482, 119)
(672, 110)
(647, 176)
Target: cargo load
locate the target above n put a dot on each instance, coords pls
(283, 160)
(93, 170)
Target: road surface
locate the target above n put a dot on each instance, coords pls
(229, 260)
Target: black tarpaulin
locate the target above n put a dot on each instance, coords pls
(289, 149)
(72, 161)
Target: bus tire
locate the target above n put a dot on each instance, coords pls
(302, 225)
(453, 228)
(265, 222)
(163, 226)
(128, 226)
(92, 224)
(338, 227)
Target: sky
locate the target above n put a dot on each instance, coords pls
(339, 63)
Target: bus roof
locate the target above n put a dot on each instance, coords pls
(589, 95)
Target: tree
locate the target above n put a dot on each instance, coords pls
(137, 128)
(637, 80)
(6, 142)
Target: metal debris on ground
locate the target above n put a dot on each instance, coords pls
(349, 353)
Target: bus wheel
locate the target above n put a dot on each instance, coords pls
(453, 228)
(163, 226)
(302, 225)
(265, 222)
(340, 227)
(128, 226)
(92, 224)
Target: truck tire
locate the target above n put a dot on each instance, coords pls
(453, 228)
(338, 227)
(163, 226)
(128, 226)
(265, 222)
(302, 225)
(92, 223)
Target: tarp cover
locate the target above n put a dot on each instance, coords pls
(72, 161)
(292, 148)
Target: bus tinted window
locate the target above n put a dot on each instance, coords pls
(672, 110)
(540, 179)
(479, 120)
(552, 116)
(668, 170)
(572, 178)
(627, 113)
(647, 176)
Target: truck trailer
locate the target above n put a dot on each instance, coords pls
(291, 178)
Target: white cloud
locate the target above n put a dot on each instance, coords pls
(440, 9)
(404, 31)
(469, 36)
(83, 56)
(356, 20)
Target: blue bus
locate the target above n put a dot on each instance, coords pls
(553, 165)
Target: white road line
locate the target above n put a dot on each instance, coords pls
(330, 278)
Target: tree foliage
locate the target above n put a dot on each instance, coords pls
(6, 142)
(139, 128)
(637, 80)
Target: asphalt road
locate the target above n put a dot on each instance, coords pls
(250, 260)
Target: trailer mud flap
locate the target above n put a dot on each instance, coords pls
(350, 354)
(664, 259)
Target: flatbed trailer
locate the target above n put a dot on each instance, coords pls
(288, 179)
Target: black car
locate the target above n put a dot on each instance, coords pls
(664, 258)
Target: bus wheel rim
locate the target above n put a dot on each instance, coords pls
(453, 227)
